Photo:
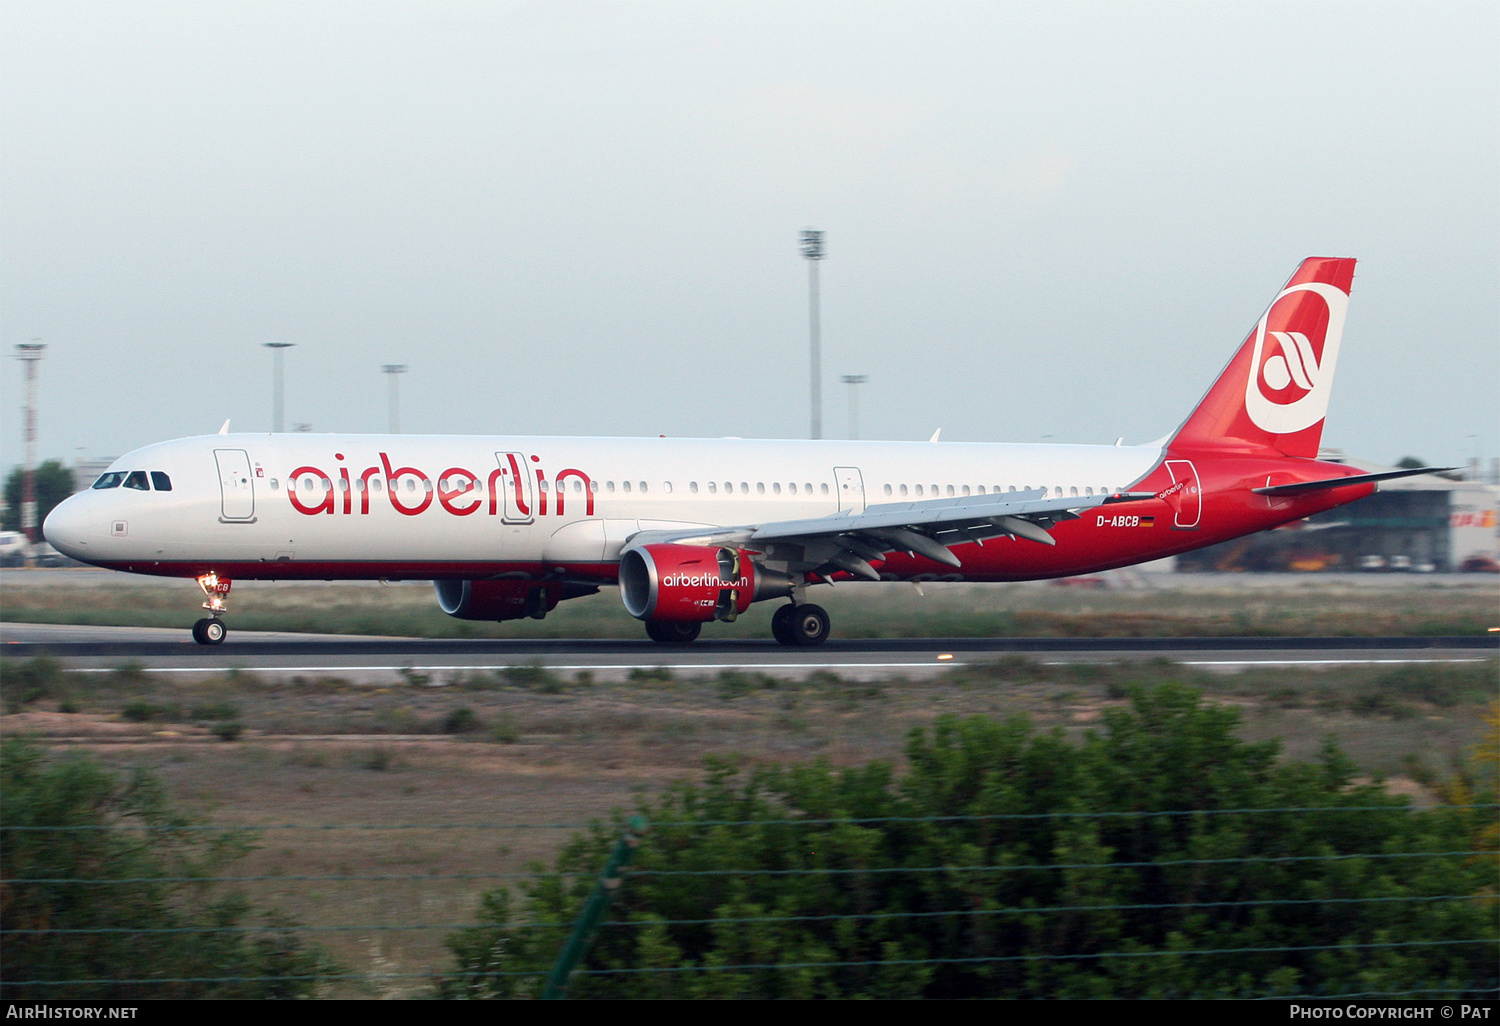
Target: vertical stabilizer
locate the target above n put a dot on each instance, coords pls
(1274, 393)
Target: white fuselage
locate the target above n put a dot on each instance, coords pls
(372, 506)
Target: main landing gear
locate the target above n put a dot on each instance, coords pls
(211, 630)
(803, 625)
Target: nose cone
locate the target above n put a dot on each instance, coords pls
(67, 527)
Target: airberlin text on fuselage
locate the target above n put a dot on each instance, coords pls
(503, 491)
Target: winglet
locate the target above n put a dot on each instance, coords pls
(935, 434)
(225, 429)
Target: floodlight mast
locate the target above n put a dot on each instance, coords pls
(277, 349)
(30, 353)
(812, 250)
(854, 381)
(391, 370)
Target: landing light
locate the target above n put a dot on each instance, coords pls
(945, 656)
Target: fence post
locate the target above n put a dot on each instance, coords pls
(593, 909)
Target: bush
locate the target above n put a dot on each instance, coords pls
(142, 711)
(30, 681)
(70, 826)
(462, 720)
(1008, 863)
(228, 730)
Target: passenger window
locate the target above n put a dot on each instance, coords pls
(887, 489)
(728, 487)
(625, 485)
(137, 480)
(375, 483)
(1073, 490)
(950, 489)
(110, 480)
(776, 487)
(981, 490)
(760, 487)
(161, 482)
(609, 486)
(744, 487)
(903, 489)
(919, 490)
(713, 488)
(643, 486)
(693, 487)
(273, 485)
(807, 487)
(594, 486)
(825, 488)
(792, 487)
(966, 489)
(667, 487)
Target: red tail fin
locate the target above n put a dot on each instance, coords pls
(1274, 393)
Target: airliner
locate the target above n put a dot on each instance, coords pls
(695, 530)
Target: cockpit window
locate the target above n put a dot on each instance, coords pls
(137, 480)
(161, 482)
(110, 480)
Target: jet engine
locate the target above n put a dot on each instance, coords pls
(695, 583)
(500, 600)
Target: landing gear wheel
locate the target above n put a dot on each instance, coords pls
(670, 632)
(781, 624)
(209, 631)
(809, 625)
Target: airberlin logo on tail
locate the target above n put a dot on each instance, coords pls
(1296, 350)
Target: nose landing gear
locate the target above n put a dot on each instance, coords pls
(211, 630)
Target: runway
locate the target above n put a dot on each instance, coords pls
(381, 658)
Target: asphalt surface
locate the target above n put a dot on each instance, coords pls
(367, 658)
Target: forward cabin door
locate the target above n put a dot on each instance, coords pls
(851, 485)
(517, 486)
(236, 485)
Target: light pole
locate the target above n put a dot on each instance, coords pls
(854, 381)
(29, 353)
(276, 381)
(392, 370)
(812, 250)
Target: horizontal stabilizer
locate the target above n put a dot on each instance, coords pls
(1339, 482)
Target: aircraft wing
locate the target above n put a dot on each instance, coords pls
(849, 541)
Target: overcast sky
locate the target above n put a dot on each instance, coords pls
(1045, 221)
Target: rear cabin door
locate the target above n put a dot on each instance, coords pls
(1187, 495)
(851, 485)
(236, 485)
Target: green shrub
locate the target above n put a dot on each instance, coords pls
(71, 820)
(533, 678)
(1045, 856)
(141, 711)
(215, 711)
(462, 720)
(30, 681)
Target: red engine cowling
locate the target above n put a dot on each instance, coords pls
(687, 583)
(498, 600)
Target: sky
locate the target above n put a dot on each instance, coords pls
(1044, 221)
